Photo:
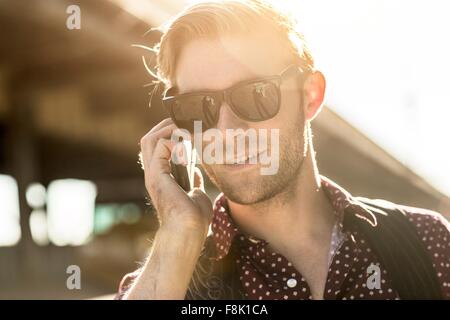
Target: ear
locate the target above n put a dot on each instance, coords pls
(313, 94)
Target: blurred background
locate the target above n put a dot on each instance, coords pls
(75, 103)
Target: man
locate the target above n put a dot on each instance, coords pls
(289, 235)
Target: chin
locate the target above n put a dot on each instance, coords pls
(247, 188)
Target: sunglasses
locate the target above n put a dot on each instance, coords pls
(252, 100)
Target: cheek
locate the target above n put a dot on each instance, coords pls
(291, 123)
(291, 106)
(289, 115)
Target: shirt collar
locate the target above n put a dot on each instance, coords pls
(224, 230)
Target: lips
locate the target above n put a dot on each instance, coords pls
(251, 158)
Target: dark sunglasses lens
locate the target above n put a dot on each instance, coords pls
(186, 110)
(256, 101)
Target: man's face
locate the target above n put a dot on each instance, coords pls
(207, 64)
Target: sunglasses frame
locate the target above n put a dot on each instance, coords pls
(225, 95)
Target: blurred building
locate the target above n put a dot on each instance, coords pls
(74, 105)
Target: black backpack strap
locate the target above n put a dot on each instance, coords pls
(395, 241)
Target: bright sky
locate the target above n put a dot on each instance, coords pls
(387, 66)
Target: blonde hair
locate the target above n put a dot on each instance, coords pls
(216, 18)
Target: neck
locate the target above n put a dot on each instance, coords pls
(301, 214)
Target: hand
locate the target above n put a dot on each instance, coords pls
(176, 209)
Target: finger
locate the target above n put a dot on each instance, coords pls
(163, 123)
(153, 135)
(149, 141)
(161, 151)
(162, 154)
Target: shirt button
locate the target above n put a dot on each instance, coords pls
(291, 283)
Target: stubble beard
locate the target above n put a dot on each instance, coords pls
(252, 188)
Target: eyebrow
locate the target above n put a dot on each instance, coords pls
(175, 90)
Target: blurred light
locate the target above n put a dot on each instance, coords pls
(104, 218)
(70, 210)
(151, 12)
(38, 226)
(111, 214)
(129, 213)
(9, 211)
(35, 195)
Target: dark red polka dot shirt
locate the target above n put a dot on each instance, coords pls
(268, 275)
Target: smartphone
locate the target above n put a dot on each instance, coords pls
(184, 175)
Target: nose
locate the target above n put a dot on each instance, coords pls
(229, 120)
